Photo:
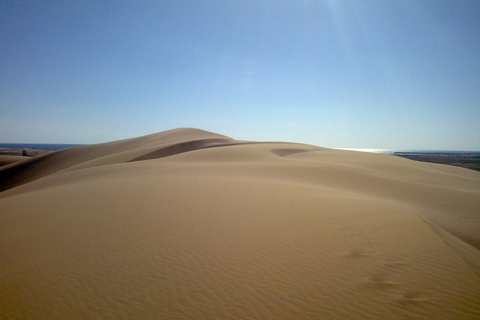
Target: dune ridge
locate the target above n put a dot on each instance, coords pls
(100, 154)
(188, 224)
(7, 159)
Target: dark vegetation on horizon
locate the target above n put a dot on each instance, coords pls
(469, 160)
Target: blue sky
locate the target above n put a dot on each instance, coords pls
(397, 74)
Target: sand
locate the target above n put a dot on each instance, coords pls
(188, 224)
(8, 159)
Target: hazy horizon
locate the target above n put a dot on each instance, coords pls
(400, 75)
(57, 146)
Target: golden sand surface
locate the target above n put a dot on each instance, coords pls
(188, 224)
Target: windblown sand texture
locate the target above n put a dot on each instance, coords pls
(187, 224)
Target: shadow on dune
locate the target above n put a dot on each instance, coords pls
(164, 144)
(184, 147)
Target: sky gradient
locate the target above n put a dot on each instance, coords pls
(397, 74)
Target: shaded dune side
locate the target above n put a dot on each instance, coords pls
(6, 159)
(18, 173)
(184, 147)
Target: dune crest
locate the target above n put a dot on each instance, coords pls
(188, 224)
(100, 154)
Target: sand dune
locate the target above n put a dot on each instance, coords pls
(7, 159)
(187, 224)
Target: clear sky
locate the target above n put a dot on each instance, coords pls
(396, 74)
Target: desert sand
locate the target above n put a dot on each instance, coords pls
(188, 224)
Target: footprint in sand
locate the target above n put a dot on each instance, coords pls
(357, 254)
(412, 297)
(380, 280)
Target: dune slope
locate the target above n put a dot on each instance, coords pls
(187, 224)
